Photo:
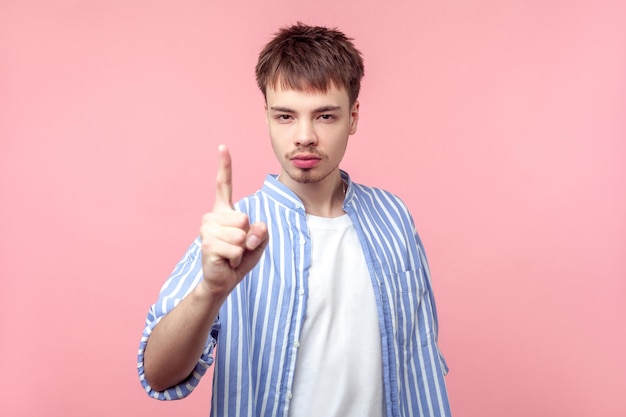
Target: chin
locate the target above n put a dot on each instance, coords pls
(308, 176)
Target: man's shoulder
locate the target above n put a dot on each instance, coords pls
(264, 200)
(254, 198)
(376, 195)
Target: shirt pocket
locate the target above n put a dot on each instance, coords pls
(409, 282)
(411, 330)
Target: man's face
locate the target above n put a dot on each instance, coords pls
(309, 131)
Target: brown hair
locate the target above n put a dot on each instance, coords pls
(310, 58)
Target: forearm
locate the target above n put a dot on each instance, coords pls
(178, 340)
(231, 247)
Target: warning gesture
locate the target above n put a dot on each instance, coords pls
(231, 246)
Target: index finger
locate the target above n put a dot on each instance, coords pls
(224, 181)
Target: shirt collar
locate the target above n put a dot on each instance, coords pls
(283, 195)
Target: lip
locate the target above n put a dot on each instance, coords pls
(304, 161)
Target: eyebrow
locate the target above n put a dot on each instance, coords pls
(318, 110)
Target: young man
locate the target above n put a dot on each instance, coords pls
(311, 297)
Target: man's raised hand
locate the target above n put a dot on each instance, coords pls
(231, 246)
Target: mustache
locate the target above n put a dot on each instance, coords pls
(308, 151)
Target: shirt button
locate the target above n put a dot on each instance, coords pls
(301, 291)
(297, 344)
(289, 395)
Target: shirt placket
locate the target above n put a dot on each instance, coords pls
(301, 252)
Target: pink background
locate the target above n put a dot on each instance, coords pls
(501, 124)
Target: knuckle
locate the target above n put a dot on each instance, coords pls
(242, 221)
(207, 219)
(240, 236)
(207, 230)
(237, 252)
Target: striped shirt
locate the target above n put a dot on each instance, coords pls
(256, 332)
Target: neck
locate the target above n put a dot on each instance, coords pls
(324, 198)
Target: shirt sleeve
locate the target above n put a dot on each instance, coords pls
(431, 298)
(184, 278)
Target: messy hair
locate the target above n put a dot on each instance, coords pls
(310, 58)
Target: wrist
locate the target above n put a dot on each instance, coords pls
(206, 293)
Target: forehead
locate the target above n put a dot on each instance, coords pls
(305, 98)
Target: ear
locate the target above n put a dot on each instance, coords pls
(354, 117)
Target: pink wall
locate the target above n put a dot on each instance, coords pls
(501, 124)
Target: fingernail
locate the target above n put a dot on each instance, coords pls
(253, 242)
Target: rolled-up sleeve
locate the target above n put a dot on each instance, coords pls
(184, 278)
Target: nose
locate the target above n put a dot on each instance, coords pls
(305, 134)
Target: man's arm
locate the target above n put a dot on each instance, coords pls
(231, 247)
(178, 340)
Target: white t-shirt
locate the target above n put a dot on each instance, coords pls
(339, 362)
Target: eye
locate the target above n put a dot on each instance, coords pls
(283, 118)
(327, 117)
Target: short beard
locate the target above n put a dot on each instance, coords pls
(307, 177)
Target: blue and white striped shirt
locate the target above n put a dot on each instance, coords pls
(261, 320)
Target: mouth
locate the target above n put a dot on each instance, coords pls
(305, 161)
